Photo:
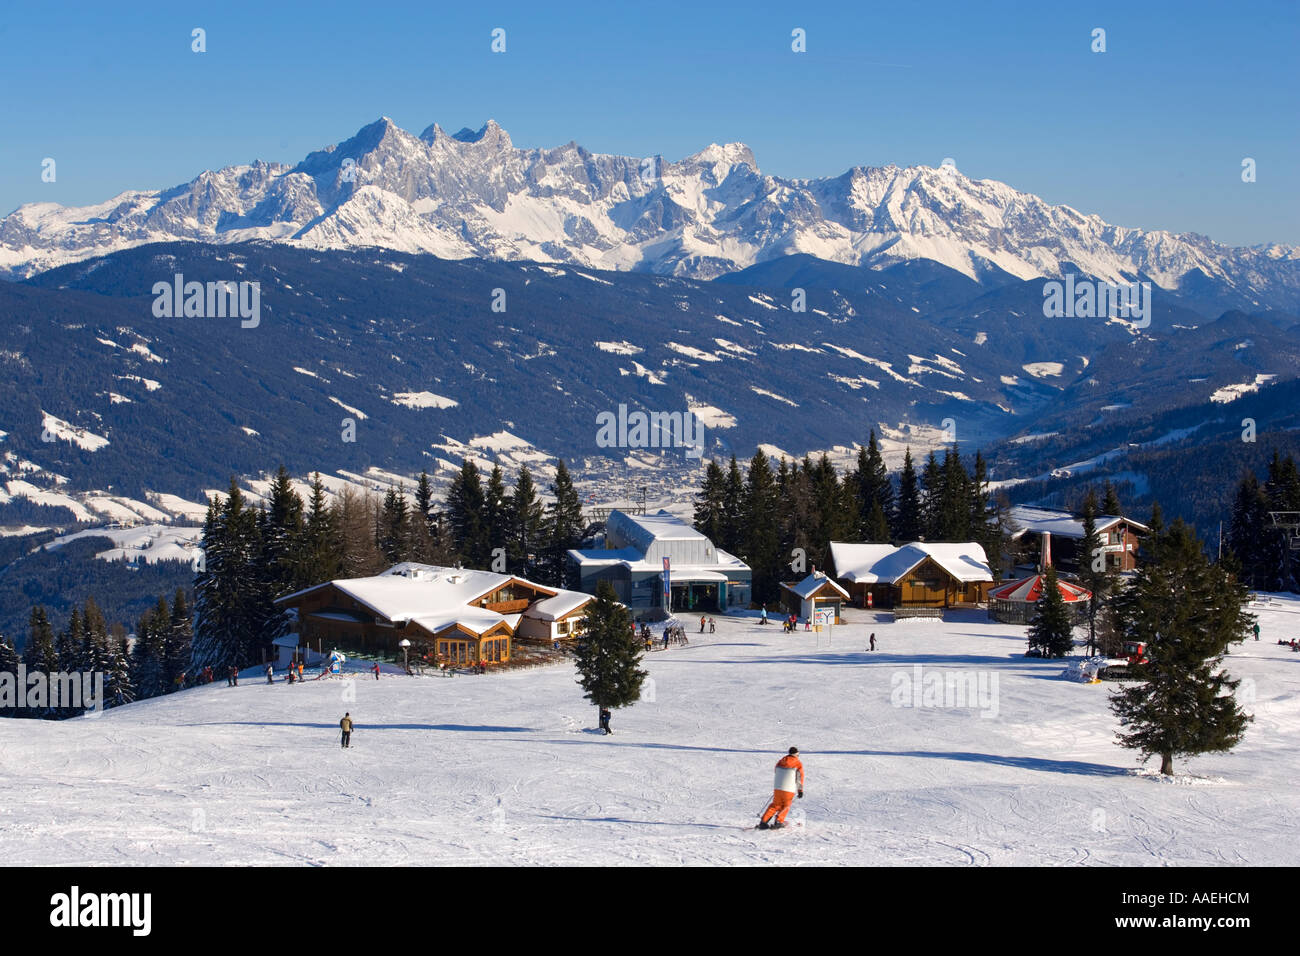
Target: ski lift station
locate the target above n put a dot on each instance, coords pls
(641, 549)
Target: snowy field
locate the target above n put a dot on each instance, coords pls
(506, 769)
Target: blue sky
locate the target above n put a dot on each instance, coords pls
(1150, 133)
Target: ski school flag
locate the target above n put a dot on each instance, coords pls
(667, 586)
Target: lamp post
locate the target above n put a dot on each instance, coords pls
(405, 645)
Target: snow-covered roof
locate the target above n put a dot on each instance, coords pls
(661, 525)
(610, 556)
(812, 584)
(554, 608)
(1061, 524)
(884, 564)
(648, 539)
(641, 542)
(432, 597)
(852, 560)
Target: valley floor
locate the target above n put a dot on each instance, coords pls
(507, 768)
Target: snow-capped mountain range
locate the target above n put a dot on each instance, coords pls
(474, 194)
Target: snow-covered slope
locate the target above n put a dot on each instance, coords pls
(505, 769)
(476, 194)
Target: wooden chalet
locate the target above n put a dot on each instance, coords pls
(916, 575)
(1119, 536)
(816, 591)
(454, 616)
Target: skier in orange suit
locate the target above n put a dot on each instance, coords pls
(789, 782)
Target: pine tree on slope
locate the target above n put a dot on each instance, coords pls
(1051, 633)
(1187, 612)
(608, 653)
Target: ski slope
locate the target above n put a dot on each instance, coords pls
(506, 768)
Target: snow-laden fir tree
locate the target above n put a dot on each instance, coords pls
(1187, 612)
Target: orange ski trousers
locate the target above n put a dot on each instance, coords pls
(780, 805)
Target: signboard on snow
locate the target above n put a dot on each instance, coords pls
(823, 616)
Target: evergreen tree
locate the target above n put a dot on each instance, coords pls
(608, 653)
(708, 518)
(954, 517)
(466, 516)
(40, 653)
(564, 527)
(1248, 531)
(761, 549)
(320, 556)
(9, 661)
(1110, 505)
(394, 524)
(148, 656)
(932, 501)
(118, 687)
(797, 521)
(424, 497)
(281, 534)
(1051, 633)
(496, 518)
(235, 625)
(733, 507)
(180, 635)
(1093, 573)
(909, 524)
(874, 493)
(1282, 489)
(1187, 612)
(876, 528)
(526, 520)
(832, 512)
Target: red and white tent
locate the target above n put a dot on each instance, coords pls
(1016, 601)
(1029, 590)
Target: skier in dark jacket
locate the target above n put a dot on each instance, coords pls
(604, 720)
(269, 678)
